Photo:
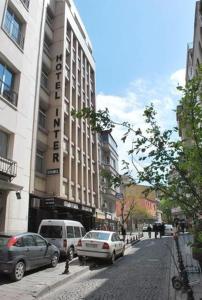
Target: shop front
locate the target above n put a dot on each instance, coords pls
(57, 208)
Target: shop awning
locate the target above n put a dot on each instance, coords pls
(8, 186)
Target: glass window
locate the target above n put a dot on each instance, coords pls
(29, 240)
(77, 232)
(83, 232)
(70, 232)
(13, 27)
(40, 241)
(97, 235)
(42, 118)
(19, 243)
(4, 139)
(40, 161)
(113, 238)
(51, 231)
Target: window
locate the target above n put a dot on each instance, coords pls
(48, 231)
(19, 242)
(97, 235)
(40, 161)
(70, 232)
(42, 118)
(44, 78)
(39, 241)
(77, 232)
(29, 240)
(4, 139)
(6, 84)
(13, 27)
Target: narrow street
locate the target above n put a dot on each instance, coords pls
(142, 274)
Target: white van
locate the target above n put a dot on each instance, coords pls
(64, 234)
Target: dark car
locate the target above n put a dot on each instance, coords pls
(23, 252)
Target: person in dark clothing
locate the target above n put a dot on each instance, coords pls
(162, 229)
(155, 229)
(149, 229)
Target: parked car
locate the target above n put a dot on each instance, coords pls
(168, 229)
(23, 252)
(101, 244)
(64, 234)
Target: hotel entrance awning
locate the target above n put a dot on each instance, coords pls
(8, 186)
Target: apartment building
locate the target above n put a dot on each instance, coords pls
(194, 49)
(64, 171)
(108, 165)
(19, 48)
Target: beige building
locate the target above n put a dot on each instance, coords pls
(19, 48)
(48, 157)
(64, 171)
(194, 50)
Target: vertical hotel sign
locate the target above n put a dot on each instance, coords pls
(56, 119)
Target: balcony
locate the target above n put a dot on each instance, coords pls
(8, 168)
(8, 94)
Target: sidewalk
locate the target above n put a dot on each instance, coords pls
(39, 283)
(188, 261)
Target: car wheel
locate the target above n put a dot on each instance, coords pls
(112, 259)
(71, 253)
(18, 271)
(54, 260)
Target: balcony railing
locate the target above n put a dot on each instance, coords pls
(14, 32)
(25, 3)
(44, 80)
(8, 94)
(8, 167)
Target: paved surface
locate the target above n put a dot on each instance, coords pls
(142, 274)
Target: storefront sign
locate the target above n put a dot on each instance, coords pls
(86, 208)
(108, 216)
(48, 202)
(52, 171)
(71, 205)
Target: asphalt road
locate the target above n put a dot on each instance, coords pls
(142, 274)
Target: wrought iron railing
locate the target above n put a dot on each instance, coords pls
(8, 94)
(8, 167)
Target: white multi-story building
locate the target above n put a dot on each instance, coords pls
(19, 50)
(46, 70)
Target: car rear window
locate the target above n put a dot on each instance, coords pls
(97, 235)
(51, 231)
(4, 240)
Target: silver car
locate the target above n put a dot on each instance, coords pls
(23, 252)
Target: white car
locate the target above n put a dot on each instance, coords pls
(168, 229)
(101, 244)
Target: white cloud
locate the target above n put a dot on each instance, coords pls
(161, 92)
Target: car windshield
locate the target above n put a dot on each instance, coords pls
(3, 240)
(97, 235)
(49, 231)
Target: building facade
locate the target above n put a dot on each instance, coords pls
(19, 48)
(64, 171)
(48, 159)
(108, 165)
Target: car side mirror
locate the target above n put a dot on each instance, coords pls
(49, 244)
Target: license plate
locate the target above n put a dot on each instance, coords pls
(91, 245)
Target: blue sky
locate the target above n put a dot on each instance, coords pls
(136, 38)
(139, 48)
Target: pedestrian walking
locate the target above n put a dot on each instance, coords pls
(162, 229)
(149, 229)
(155, 229)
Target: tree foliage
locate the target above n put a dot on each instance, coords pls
(169, 165)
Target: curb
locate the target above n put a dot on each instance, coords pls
(49, 288)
